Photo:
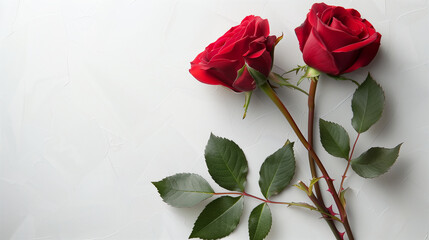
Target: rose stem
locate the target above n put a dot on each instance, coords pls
(252, 196)
(273, 96)
(311, 107)
(315, 201)
(322, 208)
(348, 164)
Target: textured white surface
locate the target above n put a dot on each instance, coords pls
(96, 102)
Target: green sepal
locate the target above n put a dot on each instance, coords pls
(240, 72)
(297, 69)
(246, 102)
(310, 73)
(260, 78)
(280, 80)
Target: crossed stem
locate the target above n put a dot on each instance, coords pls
(273, 96)
(319, 197)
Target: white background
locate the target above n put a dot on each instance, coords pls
(96, 101)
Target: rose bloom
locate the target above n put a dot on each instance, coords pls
(335, 40)
(246, 43)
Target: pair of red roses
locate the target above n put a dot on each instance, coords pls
(332, 39)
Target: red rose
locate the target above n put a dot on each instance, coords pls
(246, 43)
(335, 40)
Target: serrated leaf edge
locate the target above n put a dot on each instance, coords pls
(348, 137)
(239, 198)
(384, 102)
(259, 217)
(388, 169)
(240, 186)
(277, 169)
(157, 189)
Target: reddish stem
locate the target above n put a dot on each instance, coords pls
(311, 106)
(348, 165)
(319, 197)
(273, 96)
(250, 195)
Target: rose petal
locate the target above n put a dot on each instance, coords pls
(235, 49)
(367, 54)
(337, 24)
(334, 38)
(204, 77)
(327, 15)
(302, 33)
(316, 11)
(217, 71)
(270, 44)
(222, 63)
(258, 57)
(316, 55)
(368, 24)
(250, 28)
(225, 70)
(262, 27)
(345, 59)
(353, 12)
(358, 45)
(369, 29)
(245, 82)
(353, 24)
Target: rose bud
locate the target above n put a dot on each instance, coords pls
(335, 40)
(247, 43)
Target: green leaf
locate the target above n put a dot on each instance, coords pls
(334, 139)
(226, 163)
(184, 189)
(277, 171)
(375, 161)
(260, 221)
(367, 105)
(219, 218)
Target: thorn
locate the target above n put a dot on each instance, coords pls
(342, 235)
(328, 178)
(331, 211)
(329, 190)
